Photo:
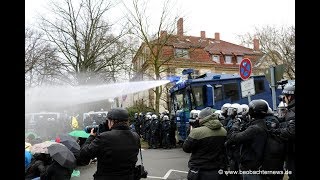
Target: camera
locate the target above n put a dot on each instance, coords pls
(87, 129)
(97, 128)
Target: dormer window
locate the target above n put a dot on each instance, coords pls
(228, 59)
(181, 53)
(239, 59)
(216, 58)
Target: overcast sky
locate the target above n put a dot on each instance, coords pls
(228, 17)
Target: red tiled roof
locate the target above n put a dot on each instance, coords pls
(209, 44)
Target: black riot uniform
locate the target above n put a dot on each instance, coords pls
(165, 131)
(155, 132)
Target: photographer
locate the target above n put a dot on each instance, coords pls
(116, 150)
(206, 145)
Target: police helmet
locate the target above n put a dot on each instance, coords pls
(258, 107)
(224, 108)
(245, 109)
(232, 110)
(289, 88)
(165, 117)
(239, 110)
(194, 114)
(154, 116)
(148, 117)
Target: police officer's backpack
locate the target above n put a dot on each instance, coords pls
(274, 149)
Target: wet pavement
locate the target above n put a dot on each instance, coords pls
(160, 163)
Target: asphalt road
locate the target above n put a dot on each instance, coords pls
(160, 164)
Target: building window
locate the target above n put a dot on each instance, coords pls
(181, 53)
(216, 58)
(228, 59)
(239, 59)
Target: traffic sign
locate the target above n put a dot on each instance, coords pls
(245, 68)
(247, 88)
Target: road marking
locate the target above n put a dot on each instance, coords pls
(154, 177)
(167, 174)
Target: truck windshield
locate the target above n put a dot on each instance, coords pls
(180, 100)
(197, 94)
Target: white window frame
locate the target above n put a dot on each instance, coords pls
(227, 57)
(216, 58)
(239, 59)
(181, 53)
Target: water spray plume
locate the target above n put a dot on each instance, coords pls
(72, 95)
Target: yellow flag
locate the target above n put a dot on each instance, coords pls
(74, 123)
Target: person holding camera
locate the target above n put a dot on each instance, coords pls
(116, 150)
(206, 145)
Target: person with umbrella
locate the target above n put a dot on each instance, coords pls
(116, 150)
(73, 146)
(37, 166)
(62, 165)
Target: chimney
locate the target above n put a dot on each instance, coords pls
(180, 27)
(203, 34)
(217, 36)
(163, 34)
(256, 44)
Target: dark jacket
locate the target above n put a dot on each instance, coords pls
(55, 171)
(37, 166)
(289, 130)
(36, 169)
(252, 142)
(116, 151)
(206, 143)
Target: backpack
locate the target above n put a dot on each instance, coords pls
(274, 150)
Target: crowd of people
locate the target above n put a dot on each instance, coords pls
(158, 131)
(236, 138)
(244, 138)
(115, 151)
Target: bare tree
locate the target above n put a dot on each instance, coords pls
(85, 41)
(41, 64)
(153, 40)
(278, 45)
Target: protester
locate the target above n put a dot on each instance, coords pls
(116, 150)
(37, 167)
(27, 159)
(55, 171)
(206, 145)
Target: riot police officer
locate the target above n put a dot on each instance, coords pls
(251, 140)
(166, 132)
(146, 130)
(288, 131)
(155, 132)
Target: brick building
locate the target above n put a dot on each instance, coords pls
(179, 51)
